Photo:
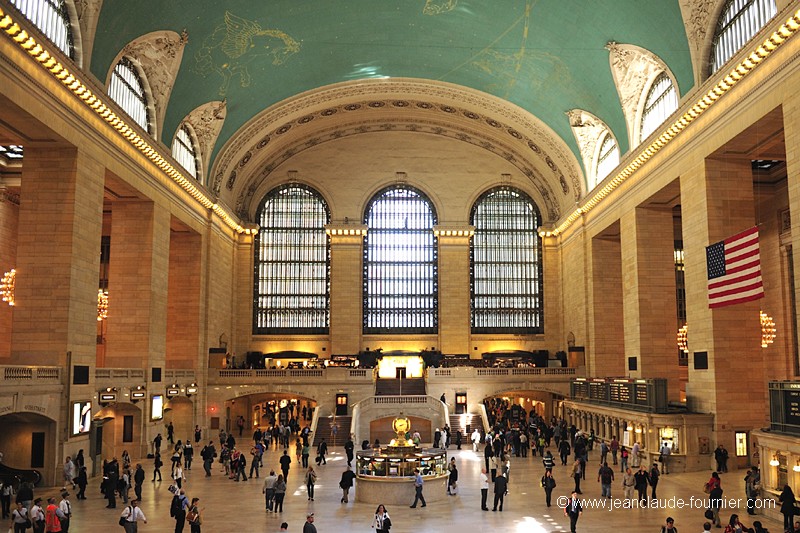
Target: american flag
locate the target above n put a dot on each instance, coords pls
(734, 270)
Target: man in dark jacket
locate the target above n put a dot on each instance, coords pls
(348, 449)
(348, 476)
(500, 488)
(138, 479)
(573, 510)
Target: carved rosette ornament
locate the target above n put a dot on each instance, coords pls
(206, 121)
(633, 68)
(159, 53)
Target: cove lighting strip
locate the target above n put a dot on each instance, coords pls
(50, 63)
(787, 29)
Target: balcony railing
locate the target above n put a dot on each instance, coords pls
(22, 374)
(473, 372)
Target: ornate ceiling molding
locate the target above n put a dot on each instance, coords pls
(588, 130)
(699, 17)
(206, 121)
(397, 102)
(159, 54)
(256, 183)
(633, 68)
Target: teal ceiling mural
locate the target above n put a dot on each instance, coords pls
(546, 56)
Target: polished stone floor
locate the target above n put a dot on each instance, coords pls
(239, 507)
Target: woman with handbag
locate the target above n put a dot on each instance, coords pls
(19, 518)
(195, 516)
(280, 493)
(311, 479)
(382, 522)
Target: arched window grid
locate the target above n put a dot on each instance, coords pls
(661, 102)
(400, 293)
(607, 157)
(292, 263)
(740, 21)
(184, 151)
(506, 283)
(127, 90)
(52, 18)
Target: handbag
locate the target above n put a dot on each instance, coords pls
(709, 514)
(707, 488)
(122, 521)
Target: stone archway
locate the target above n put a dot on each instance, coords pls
(28, 441)
(121, 428)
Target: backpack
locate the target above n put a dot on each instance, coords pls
(175, 506)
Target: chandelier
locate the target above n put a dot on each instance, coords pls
(102, 305)
(683, 338)
(767, 329)
(7, 286)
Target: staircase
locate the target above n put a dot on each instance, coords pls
(324, 432)
(400, 387)
(461, 422)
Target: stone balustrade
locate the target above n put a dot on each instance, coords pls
(25, 374)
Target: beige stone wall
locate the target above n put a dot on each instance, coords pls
(183, 300)
(9, 217)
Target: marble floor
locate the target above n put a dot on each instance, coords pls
(239, 507)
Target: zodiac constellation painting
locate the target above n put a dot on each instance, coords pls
(235, 44)
(437, 7)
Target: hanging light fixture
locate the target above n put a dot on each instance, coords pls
(7, 286)
(767, 329)
(774, 461)
(683, 338)
(102, 305)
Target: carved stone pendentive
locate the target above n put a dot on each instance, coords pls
(159, 54)
(550, 199)
(633, 68)
(698, 19)
(402, 95)
(206, 121)
(88, 13)
(588, 131)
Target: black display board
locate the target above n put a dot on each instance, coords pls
(636, 394)
(784, 406)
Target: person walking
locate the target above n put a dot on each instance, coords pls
(52, 517)
(19, 519)
(418, 490)
(576, 475)
(548, 484)
(83, 481)
(36, 514)
(178, 508)
(484, 489)
(654, 474)
(280, 493)
(346, 483)
(628, 483)
(348, 449)
(177, 475)
(188, 455)
(614, 448)
(382, 522)
(69, 472)
(452, 481)
(322, 451)
(500, 489)
(286, 463)
(715, 501)
(642, 480)
(573, 510)
(269, 490)
(564, 450)
(752, 488)
(66, 509)
(548, 461)
(131, 515)
(138, 479)
(605, 476)
(208, 453)
(157, 464)
(669, 526)
(309, 526)
(663, 456)
(311, 479)
(6, 491)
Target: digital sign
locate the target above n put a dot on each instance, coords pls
(784, 406)
(157, 407)
(637, 394)
(81, 417)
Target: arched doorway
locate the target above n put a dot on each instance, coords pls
(28, 441)
(514, 406)
(264, 410)
(179, 411)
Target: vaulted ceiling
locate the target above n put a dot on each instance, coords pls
(545, 56)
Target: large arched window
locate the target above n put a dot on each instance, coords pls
(740, 20)
(292, 263)
(607, 157)
(184, 150)
(661, 102)
(400, 263)
(506, 264)
(52, 18)
(127, 89)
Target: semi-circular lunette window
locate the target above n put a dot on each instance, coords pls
(127, 90)
(52, 18)
(185, 152)
(661, 102)
(739, 22)
(607, 157)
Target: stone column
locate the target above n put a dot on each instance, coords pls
(183, 300)
(138, 274)
(717, 203)
(607, 352)
(58, 258)
(347, 242)
(791, 133)
(454, 294)
(9, 224)
(650, 309)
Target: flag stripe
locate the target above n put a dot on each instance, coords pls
(734, 270)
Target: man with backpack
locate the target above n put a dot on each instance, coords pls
(208, 453)
(606, 477)
(177, 510)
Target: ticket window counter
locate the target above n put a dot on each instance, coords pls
(670, 437)
(461, 403)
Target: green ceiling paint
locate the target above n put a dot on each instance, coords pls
(546, 56)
